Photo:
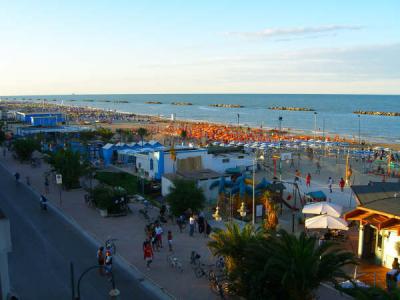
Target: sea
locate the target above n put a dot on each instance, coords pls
(333, 113)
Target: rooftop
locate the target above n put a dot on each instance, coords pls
(378, 194)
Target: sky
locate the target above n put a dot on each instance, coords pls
(204, 46)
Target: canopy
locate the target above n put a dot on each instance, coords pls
(321, 208)
(326, 222)
(317, 196)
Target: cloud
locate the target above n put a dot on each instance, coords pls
(296, 32)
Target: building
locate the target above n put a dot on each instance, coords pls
(154, 160)
(204, 179)
(378, 214)
(45, 119)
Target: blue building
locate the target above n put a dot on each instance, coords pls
(44, 119)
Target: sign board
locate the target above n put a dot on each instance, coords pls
(58, 178)
(286, 156)
(259, 210)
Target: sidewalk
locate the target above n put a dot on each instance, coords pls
(129, 230)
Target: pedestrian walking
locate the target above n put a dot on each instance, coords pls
(191, 225)
(291, 163)
(318, 170)
(159, 231)
(330, 182)
(108, 262)
(341, 184)
(46, 184)
(308, 180)
(170, 240)
(297, 177)
(180, 221)
(148, 254)
(100, 260)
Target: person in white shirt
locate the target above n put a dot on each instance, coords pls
(159, 231)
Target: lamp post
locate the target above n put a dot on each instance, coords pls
(315, 124)
(114, 292)
(254, 186)
(359, 129)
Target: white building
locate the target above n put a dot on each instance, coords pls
(154, 163)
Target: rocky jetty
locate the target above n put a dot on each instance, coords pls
(226, 105)
(181, 103)
(153, 102)
(377, 113)
(291, 108)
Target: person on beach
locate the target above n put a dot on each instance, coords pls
(148, 254)
(330, 183)
(170, 240)
(308, 180)
(341, 184)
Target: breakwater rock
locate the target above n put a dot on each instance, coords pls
(291, 108)
(153, 102)
(227, 105)
(181, 103)
(377, 113)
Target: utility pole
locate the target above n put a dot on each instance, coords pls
(315, 124)
(359, 129)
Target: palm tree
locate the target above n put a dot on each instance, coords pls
(298, 265)
(142, 132)
(231, 243)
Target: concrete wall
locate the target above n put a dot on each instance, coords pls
(220, 163)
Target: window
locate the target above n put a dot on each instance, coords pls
(225, 160)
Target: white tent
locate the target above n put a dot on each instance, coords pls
(326, 222)
(323, 208)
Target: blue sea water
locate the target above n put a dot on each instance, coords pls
(334, 112)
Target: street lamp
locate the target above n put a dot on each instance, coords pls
(254, 187)
(114, 292)
(315, 124)
(359, 129)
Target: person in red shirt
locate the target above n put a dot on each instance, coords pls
(341, 184)
(308, 180)
(148, 254)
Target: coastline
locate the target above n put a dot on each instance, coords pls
(184, 122)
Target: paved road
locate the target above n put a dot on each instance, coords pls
(43, 246)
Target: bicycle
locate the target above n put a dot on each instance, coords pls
(219, 284)
(110, 245)
(174, 263)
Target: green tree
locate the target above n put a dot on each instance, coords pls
(278, 265)
(185, 194)
(142, 132)
(24, 148)
(68, 163)
(295, 266)
(105, 133)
